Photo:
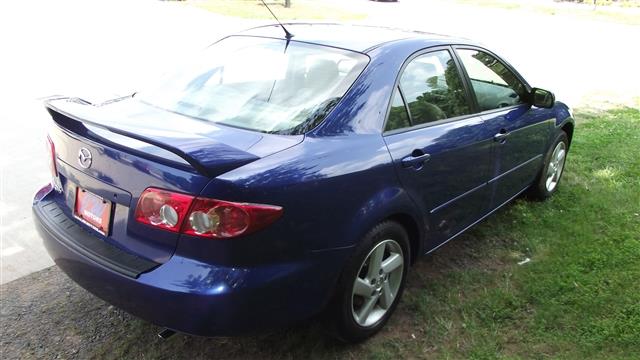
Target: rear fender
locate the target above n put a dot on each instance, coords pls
(387, 203)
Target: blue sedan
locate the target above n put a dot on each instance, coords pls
(279, 175)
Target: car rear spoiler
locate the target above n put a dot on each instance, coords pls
(205, 155)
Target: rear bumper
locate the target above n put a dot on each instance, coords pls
(198, 298)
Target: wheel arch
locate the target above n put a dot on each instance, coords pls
(391, 204)
(413, 230)
(568, 129)
(564, 120)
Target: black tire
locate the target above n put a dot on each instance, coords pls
(344, 324)
(539, 189)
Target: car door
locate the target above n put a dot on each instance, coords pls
(520, 131)
(441, 152)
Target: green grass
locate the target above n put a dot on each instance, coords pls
(578, 297)
(299, 10)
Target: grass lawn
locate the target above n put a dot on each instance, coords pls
(578, 297)
(299, 10)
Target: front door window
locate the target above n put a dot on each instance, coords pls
(494, 85)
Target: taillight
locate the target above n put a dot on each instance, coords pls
(55, 179)
(224, 219)
(202, 216)
(51, 147)
(163, 209)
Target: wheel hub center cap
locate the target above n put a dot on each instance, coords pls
(379, 282)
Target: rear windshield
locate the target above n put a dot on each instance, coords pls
(260, 84)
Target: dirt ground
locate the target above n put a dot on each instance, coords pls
(45, 315)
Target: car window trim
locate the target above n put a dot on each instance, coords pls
(430, 124)
(510, 107)
(458, 118)
(406, 106)
(468, 92)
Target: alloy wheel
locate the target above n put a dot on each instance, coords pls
(377, 283)
(556, 165)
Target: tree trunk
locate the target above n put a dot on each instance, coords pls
(287, 3)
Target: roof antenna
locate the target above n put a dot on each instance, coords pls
(287, 34)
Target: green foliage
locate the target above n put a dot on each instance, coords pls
(578, 297)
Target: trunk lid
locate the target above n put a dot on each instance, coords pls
(134, 146)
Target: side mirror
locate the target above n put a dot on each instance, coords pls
(542, 98)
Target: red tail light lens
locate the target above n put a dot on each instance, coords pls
(224, 219)
(51, 148)
(203, 217)
(163, 209)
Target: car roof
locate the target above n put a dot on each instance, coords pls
(361, 38)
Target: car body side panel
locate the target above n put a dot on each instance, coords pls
(519, 157)
(450, 187)
(332, 191)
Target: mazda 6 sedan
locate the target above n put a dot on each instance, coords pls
(276, 177)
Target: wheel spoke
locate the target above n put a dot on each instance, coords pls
(375, 262)
(556, 165)
(366, 309)
(391, 263)
(373, 294)
(362, 288)
(386, 299)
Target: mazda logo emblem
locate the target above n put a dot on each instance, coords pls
(84, 158)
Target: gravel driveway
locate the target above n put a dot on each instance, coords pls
(48, 316)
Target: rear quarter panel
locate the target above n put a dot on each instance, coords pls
(333, 190)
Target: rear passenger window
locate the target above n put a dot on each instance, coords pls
(398, 117)
(433, 89)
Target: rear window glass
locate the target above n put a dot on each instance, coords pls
(260, 84)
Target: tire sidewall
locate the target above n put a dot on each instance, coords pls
(347, 328)
(541, 188)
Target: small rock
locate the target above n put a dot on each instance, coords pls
(526, 260)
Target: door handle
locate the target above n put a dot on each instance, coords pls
(501, 136)
(416, 159)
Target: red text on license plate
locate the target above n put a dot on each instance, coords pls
(93, 210)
